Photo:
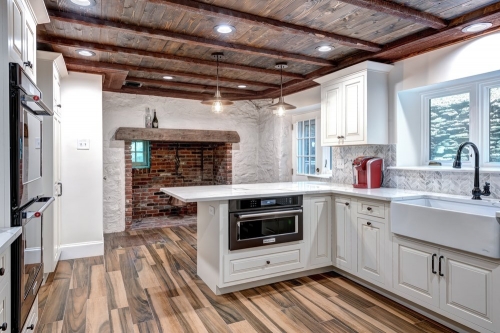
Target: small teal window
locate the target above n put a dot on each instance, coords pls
(140, 154)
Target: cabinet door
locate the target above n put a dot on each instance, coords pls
(371, 256)
(16, 31)
(415, 270)
(469, 288)
(342, 244)
(30, 47)
(321, 231)
(353, 106)
(58, 186)
(57, 92)
(5, 312)
(331, 115)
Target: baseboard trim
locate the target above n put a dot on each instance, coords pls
(81, 250)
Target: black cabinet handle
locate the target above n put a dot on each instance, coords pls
(28, 64)
(347, 204)
(4, 327)
(368, 223)
(440, 271)
(58, 105)
(2, 271)
(369, 209)
(268, 262)
(31, 327)
(433, 269)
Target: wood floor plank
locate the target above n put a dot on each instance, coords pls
(319, 288)
(162, 311)
(64, 270)
(117, 296)
(121, 321)
(80, 276)
(344, 294)
(261, 323)
(195, 293)
(56, 302)
(170, 234)
(97, 281)
(167, 283)
(43, 294)
(303, 320)
(147, 276)
(184, 235)
(432, 327)
(75, 315)
(242, 327)
(112, 261)
(97, 315)
(148, 256)
(222, 304)
(274, 314)
(212, 321)
(337, 326)
(147, 327)
(96, 260)
(391, 320)
(186, 315)
(55, 327)
(188, 249)
(276, 296)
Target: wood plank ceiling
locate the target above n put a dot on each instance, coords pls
(144, 40)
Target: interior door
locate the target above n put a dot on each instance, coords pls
(354, 110)
(58, 188)
(343, 234)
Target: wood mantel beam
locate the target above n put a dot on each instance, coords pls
(52, 40)
(183, 38)
(107, 66)
(401, 11)
(176, 135)
(226, 13)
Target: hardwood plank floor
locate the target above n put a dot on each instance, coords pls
(146, 282)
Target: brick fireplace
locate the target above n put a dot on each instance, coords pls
(173, 164)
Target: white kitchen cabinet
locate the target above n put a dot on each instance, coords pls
(5, 306)
(16, 42)
(321, 231)
(371, 250)
(354, 105)
(49, 72)
(30, 47)
(415, 270)
(342, 235)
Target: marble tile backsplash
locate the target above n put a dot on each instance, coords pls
(459, 183)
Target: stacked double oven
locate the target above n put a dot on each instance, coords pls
(26, 110)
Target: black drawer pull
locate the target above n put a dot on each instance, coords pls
(440, 271)
(368, 223)
(31, 327)
(369, 209)
(2, 271)
(347, 204)
(433, 269)
(268, 262)
(4, 327)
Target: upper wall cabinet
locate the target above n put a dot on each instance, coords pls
(354, 105)
(23, 16)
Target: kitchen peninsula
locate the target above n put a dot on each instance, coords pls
(350, 231)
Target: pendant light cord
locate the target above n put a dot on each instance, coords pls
(216, 93)
(281, 85)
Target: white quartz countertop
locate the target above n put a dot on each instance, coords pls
(8, 236)
(239, 191)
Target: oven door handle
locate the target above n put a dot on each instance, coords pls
(275, 213)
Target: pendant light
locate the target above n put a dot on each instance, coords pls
(217, 102)
(281, 107)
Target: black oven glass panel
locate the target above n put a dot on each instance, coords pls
(32, 238)
(266, 228)
(268, 203)
(31, 151)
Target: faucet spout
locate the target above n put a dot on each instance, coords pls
(457, 164)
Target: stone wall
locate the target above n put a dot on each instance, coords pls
(264, 138)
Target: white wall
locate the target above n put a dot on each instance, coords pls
(4, 120)
(261, 156)
(82, 175)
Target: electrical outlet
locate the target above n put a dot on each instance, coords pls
(211, 210)
(340, 163)
(83, 144)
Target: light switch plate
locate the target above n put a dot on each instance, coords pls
(83, 144)
(211, 210)
(38, 143)
(340, 163)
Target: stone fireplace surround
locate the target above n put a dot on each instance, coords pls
(174, 161)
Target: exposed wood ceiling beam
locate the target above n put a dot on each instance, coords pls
(115, 79)
(201, 87)
(402, 11)
(421, 42)
(183, 38)
(101, 65)
(172, 93)
(221, 12)
(52, 40)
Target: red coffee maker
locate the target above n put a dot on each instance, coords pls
(367, 172)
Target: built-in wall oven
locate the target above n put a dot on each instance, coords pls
(263, 221)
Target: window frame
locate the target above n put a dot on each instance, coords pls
(474, 119)
(297, 156)
(484, 97)
(147, 155)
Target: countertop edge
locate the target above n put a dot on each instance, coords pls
(12, 233)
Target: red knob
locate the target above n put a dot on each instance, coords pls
(36, 98)
(37, 214)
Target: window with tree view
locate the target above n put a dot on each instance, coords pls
(449, 126)
(306, 147)
(494, 117)
(140, 154)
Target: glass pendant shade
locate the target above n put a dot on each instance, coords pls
(217, 102)
(281, 107)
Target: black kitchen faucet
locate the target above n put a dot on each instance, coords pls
(457, 164)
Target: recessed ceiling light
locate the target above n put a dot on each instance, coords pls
(84, 3)
(477, 27)
(168, 77)
(224, 29)
(85, 53)
(324, 48)
(242, 86)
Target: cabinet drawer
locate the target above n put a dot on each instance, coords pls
(30, 325)
(371, 209)
(5, 267)
(255, 266)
